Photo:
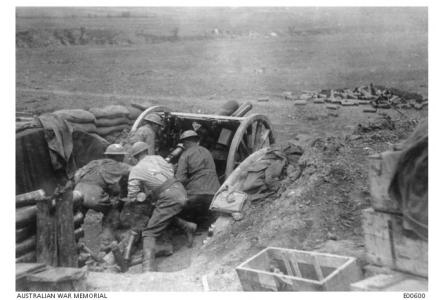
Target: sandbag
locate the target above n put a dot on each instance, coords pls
(106, 122)
(134, 112)
(87, 127)
(76, 115)
(110, 111)
(103, 131)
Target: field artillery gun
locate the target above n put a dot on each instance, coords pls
(230, 139)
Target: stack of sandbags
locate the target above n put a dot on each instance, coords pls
(134, 112)
(111, 119)
(79, 119)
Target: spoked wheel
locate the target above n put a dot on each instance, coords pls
(254, 133)
(151, 109)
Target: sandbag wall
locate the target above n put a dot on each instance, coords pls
(25, 225)
(80, 119)
(104, 121)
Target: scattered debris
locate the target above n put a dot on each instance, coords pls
(377, 96)
(332, 107)
(300, 102)
(266, 99)
(370, 110)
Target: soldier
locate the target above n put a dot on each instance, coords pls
(196, 171)
(99, 183)
(153, 179)
(149, 132)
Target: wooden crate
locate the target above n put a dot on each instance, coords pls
(381, 170)
(391, 283)
(22, 270)
(388, 244)
(279, 269)
(58, 279)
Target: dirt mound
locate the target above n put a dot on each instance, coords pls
(321, 210)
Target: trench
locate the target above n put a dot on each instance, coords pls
(182, 256)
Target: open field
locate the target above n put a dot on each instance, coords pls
(312, 49)
(194, 75)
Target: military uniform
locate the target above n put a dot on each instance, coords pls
(147, 135)
(98, 181)
(196, 171)
(155, 177)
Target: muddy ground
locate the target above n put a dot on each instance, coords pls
(319, 211)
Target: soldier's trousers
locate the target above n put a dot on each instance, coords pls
(169, 204)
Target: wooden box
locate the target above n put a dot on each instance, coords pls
(388, 244)
(381, 170)
(22, 270)
(279, 269)
(58, 279)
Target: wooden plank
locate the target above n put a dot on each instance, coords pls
(25, 216)
(29, 198)
(317, 268)
(24, 233)
(67, 247)
(46, 229)
(289, 270)
(381, 171)
(79, 233)
(58, 279)
(387, 245)
(294, 263)
(22, 269)
(26, 246)
(411, 255)
(78, 219)
(26, 258)
(343, 276)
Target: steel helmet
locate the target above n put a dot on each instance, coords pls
(115, 149)
(188, 134)
(154, 118)
(139, 147)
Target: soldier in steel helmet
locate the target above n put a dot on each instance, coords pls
(148, 133)
(197, 172)
(152, 179)
(99, 183)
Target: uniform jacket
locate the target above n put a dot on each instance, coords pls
(148, 175)
(104, 173)
(147, 135)
(99, 180)
(196, 170)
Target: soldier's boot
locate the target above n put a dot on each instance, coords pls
(188, 227)
(148, 251)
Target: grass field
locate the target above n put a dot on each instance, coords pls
(193, 75)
